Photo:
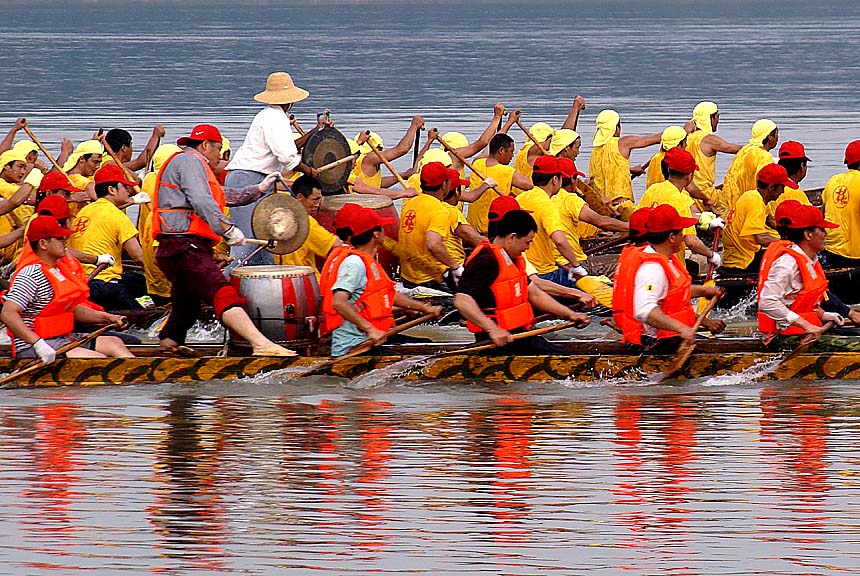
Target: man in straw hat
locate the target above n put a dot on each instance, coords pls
(269, 148)
(741, 174)
(187, 221)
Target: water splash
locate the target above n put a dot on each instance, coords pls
(739, 311)
(637, 378)
(381, 376)
(751, 374)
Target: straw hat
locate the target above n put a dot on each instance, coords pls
(280, 89)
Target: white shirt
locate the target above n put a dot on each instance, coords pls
(781, 286)
(650, 288)
(269, 145)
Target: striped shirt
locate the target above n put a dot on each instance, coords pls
(32, 291)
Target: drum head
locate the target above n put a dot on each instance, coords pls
(324, 147)
(280, 217)
(372, 201)
(271, 271)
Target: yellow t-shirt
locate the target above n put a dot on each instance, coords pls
(318, 243)
(841, 199)
(542, 251)
(742, 224)
(705, 176)
(78, 181)
(667, 193)
(502, 174)
(654, 174)
(12, 220)
(374, 180)
(521, 163)
(789, 194)
(156, 282)
(569, 206)
(102, 228)
(741, 175)
(611, 171)
(453, 243)
(422, 214)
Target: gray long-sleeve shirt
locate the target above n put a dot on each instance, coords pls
(187, 187)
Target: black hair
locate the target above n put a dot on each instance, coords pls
(343, 233)
(427, 188)
(772, 133)
(517, 222)
(664, 168)
(796, 234)
(86, 157)
(34, 245)
(792, 165)
(500, 141)
(854, 165)
(540, 179)
(675, 174)
(565, 182)
(659, 237)
(102, 188)
(305, 185)
(193, 143)
(364, 237)
(116, 138)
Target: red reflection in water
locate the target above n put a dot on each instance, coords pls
(374, 430)
(512, 453)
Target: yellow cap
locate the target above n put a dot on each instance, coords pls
(25, 147)
(541, 131)
(161, 155)
(561, 139)
(85, 147)
(702, 115)
(434, 155)
(761, 129)
(225, 144)
(10, 156)
(607, 122)
(353, 146)
(672, 136)
(454, 140)
(374, 139)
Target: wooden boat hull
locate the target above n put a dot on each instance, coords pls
(498, 369)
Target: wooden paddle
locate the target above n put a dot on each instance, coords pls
(295, 124)
(685, 350)
(38, 365)
(709, 278)
(607, 245)
(415, 148)
(365, 346)
(807, 341)
(128, 173)
(532, 138)
(96, 271)
(488, 344)
(337, 163)
(42, 148)
(465, 162)
(385, 161)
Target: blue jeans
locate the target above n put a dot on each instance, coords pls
(558, 276)
(241, 217)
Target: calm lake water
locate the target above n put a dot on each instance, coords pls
(728, 475)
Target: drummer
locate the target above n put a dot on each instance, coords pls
(308, 191)
(268, 148)
(358, 296)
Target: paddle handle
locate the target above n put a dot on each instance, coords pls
(605, 245)
(385, 161)
(532, 138)
(488, 344)
(687, 349)
(42, 148)
(37, 364)
(112, 154)
(337, 163)
(260, 241)
(714, 248)
(96, 271)
(295, 124)
(463, 161)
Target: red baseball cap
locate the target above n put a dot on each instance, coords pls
(501, 206)
(112, 173)
(56, 180)
(454, 178)
(341, 219)
(775, 174)
(434, 174)
(42, 227)
(785, 211)
(664, 218)
(201, 132)
(792, 149)
(56, 206)
(679, 160)
(639, 221)
(568, 168)
(546, 165)
(809, 217)
(852, 152)
(362, 219)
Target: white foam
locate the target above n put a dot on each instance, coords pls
(381, 376)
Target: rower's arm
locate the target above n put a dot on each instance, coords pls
(473, 194)
(696, 246)
(559, 291)
(473, 313)
(628, 143)
(434, 244)
(133, 249)
(84, 257)
(362, 187)
(9, 138)
(469, 234)
(87, 315)
(10, 238)
(546, 303)
(145, 155)
(11, 317)
(21, 194)
(711, 144)
(403, 301)
(573, 116)
(403, 146)
(512, 119)
(657, 319)
(342, 305)
(560, 241)
(764, 239)
(484, 139)
(520, 181)
(589, 216)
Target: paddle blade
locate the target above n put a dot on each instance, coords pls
(600, 290)
(704, 300)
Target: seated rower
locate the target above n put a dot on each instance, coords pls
(746, 233)
(308, 191)
(45, 300)
(366, 176)
(459, 231)
(120, 142)
(791, 283)
(495, 295)
(358, 296)
(704, 145)
(747, 163)
(13, 193)
(81, 167)
(57, 206)
(102, 228)
(653, 288)
(792, 157)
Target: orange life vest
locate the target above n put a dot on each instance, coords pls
(619, 290)
(70, 264)
(374, 304)
(196, 225)
(510, 290)
(676, 304)
(807, 299)
(57, 318)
